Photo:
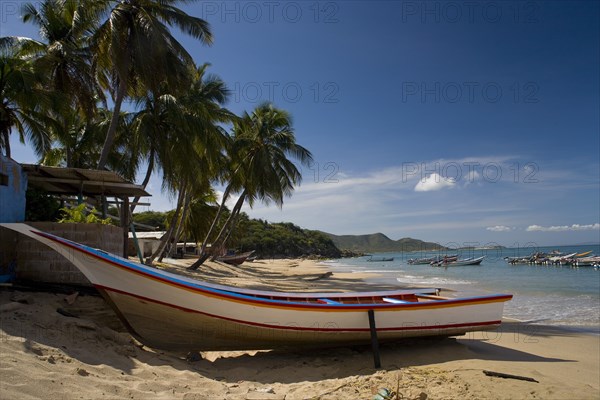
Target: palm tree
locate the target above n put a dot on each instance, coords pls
(201, 214)
(68, 103)
(195, 114)
(21, 100)
(134, 45)
(189, 126)
(263, 141)
(65, 57)
(77, 140)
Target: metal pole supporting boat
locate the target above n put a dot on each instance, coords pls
(374, 341)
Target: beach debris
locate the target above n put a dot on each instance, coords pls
(259, 394)
(22, 298)
(193, 356)
(120, 338)
(509, 376)
(384, 394)
(34, 348)
(82, 372)
(12, 306)
(70, 299)
(319, 277)
(64, 312)
(267, 389)
(85, 324)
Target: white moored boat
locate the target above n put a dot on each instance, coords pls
(172, 312)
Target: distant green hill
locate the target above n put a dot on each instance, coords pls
(379, 243)
(282, 240)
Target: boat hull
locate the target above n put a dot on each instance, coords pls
(235, 259)
(162, 326)
(167, 311)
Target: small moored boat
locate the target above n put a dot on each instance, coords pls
(429, 260)
(380, 259)
(460, 263)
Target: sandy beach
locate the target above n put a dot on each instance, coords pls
(83, 352)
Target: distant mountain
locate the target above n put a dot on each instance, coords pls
(379, 243)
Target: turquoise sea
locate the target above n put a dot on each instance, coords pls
(544, 294)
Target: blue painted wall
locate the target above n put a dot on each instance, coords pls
(13, 185)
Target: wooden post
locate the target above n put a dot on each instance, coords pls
(125, 225)
(374, 341)
(136, 243)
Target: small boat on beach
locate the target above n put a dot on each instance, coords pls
(235, 259)
(172, 312)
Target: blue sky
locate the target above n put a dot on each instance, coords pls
(455, 122)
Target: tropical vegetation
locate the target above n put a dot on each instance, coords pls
(284, 240)
(268, 240)
(81, 215)
(108, 85)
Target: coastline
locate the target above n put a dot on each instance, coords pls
(93, 356)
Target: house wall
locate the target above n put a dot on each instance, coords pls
(38, 262)
(13, 185)
(8, 252)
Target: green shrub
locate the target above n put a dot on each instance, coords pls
(81, 216)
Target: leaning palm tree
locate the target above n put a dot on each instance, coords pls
(183, 178)
(136, 48)
(264, 142)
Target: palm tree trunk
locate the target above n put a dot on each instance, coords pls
(181, 222)
(149, 171)
(203, 255)
(167, 237)
(238, 206)
(114, 123)
(69, 157)
(231, 229)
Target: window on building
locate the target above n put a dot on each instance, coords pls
(3, 180)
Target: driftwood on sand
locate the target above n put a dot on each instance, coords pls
(509, 376)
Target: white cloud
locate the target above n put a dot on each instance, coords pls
(472, 177)
(563, 228)
(499, 228)
(434, 182)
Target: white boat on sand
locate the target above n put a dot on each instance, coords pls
(172, 312)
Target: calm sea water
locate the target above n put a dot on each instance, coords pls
(550, 295)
